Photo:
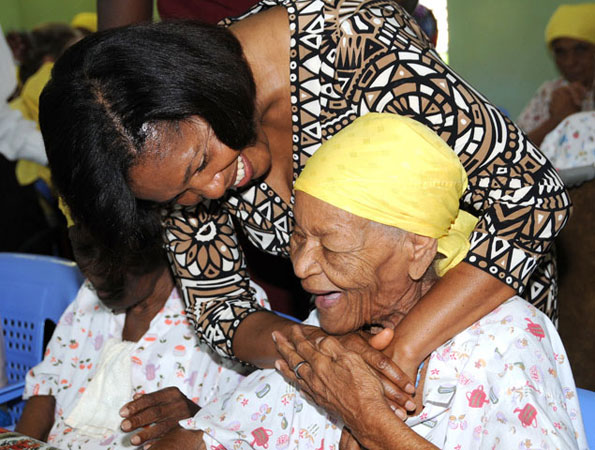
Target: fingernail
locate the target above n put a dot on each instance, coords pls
(401, 414)
(410, 406)
(135, 439)
(410, 389)
(124, 412)
(126, 425)
(274, 337)
(277, 365)
(147, 446)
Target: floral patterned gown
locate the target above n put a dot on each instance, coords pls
(348, 58)
(503, 383)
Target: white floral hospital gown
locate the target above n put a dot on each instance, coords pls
(572, 143)
(505, 382)
(167, 355)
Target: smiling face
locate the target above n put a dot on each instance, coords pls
(361, 272)
(575, 60)
(186, 163)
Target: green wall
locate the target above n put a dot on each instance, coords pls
(498, 46)
(25, 14)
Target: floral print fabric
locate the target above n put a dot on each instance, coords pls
(572, 143)
(168, 354)
(505, 382)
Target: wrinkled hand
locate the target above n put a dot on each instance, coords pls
(339, 379)
(396, 384)
(566, 100)
(178, 438)
(157, 413)
(348, 442)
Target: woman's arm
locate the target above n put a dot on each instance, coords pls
(37, 418)
(330, 376)
(564, 102)
(518, 197)
(460, 298)
(209, 267)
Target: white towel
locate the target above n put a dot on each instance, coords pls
(97, 411)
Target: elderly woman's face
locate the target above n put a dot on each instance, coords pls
(185, 163)
(575, 60)
(358, 270)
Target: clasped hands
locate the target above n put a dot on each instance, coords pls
(337, 366)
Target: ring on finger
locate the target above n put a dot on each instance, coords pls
(296, 369)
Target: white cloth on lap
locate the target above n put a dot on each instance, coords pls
(168, 354)
(97, 411)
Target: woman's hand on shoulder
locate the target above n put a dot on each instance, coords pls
(156, 413)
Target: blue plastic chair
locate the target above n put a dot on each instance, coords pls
(34, 289)
(587, 401)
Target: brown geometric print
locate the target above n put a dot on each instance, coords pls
(348, 58)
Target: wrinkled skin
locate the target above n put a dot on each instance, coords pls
(330, 372)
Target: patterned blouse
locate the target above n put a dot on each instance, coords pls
(348, 58)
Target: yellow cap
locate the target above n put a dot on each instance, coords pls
(393, 170)
(572, 21)
(86, 20)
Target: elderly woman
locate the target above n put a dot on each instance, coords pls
(223, 120)
(375, 229)
(570, 35)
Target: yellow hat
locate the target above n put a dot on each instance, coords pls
(394, 170)
(572, 21)
(86, 20)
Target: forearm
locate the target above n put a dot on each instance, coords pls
(463, 296)
(538, 134)
(37, 418)
(252, 341)
(117, 13)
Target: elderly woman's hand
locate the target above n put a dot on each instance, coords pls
(156, 413)
(566, 100)
(340, 381)
(396, 384)
(343, 383)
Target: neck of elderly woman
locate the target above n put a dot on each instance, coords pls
(409, 282)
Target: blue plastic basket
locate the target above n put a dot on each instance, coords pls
(34, 290)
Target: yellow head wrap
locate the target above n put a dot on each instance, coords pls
(86, 20)
(572, 21)
(393, 170)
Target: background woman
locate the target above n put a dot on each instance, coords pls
(223, 121)
(570, 35)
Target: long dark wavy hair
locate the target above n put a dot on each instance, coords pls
(105, 87)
